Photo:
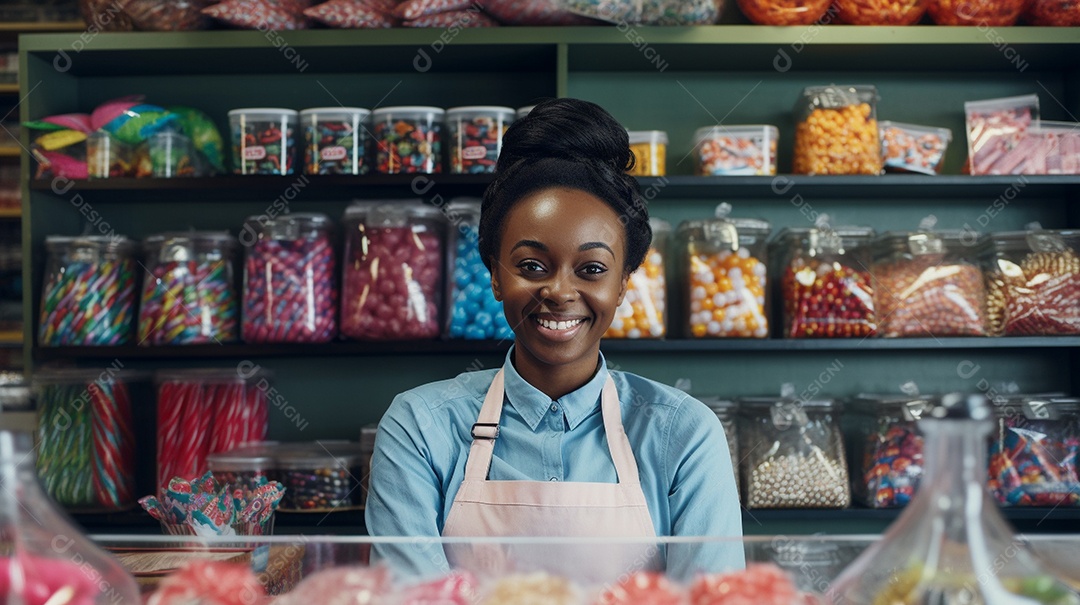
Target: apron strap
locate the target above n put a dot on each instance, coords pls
(486, 431)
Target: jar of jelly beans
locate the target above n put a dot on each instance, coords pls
(335, 140)
(643, 312)
(319, 476)
(474, 312)
(1033, 451)
(888, 447)
(392, 287)
(475, 137)
(724, 260)
(408, 139)
(825, 281)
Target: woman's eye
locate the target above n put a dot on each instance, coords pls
(594, 269)
(530, 266)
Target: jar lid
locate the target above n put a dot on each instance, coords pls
(740, 131)
(48, 376)
(496, 109)
(464, 203)
(288, 226)
(655, 137)
(1035, 407)
(222, 238)
(749, 226)
(910, 407)
(834, 96)
(267, 111)
(719, 404)
(256, 456)
(816, 237)
(749, 404)
(1043, 240)
(408, 109)
(929, 242)
(100, 242)
(358, 209)
(343, 111)
(401, 212)
(659, 225)
(241, 374)
(317, 455)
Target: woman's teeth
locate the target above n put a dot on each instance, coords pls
(559, 325)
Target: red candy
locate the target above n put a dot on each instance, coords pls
(46, 580)
(392, 285)
(827, 299)
(260, 14)
(465, 18)
(340, 586)
(414, 9)
(533, 12)
(354, 14)
(641, 588)
(458, 588)
(759, 584)
(202, 582)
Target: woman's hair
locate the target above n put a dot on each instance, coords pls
(566, 143)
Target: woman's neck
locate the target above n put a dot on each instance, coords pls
(554, 381)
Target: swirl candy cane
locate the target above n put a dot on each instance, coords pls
(89, 293)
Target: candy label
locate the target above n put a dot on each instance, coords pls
(473, 153)
(254, 153)
(331, 154)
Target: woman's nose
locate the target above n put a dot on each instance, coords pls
(558, 289)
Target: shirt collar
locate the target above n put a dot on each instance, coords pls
(533, 404)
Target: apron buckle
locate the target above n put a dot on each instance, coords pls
(488, 431)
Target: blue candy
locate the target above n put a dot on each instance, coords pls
(475, 313)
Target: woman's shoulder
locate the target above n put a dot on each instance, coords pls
(434, 395)
(643, 394)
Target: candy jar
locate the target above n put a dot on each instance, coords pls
(44, 558)
(888, 448)
(980, 13)
(244, 467)
(290, 279)
(784, 12)
(407, 139)
(650, 152)
(1033, 451)
(335, 140)
(206, 411)
(189, 292)
(825, 281)
(86, 436)
(997, 139)
(836, 131)
(913, 148)
(951, 544)
(643, 312)
(323, 476)
(474, 312)
(89, 294)
(794, 453)
(1062, 13)
(880, 12)
(727, 411)
(724, 260)
(263, 140)
(475, 137)
(928, 283)
(1033, 283)
(735, 150)
(392, 286)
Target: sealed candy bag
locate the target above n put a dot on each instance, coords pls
(837, 131)
(736, 150)
(354, 14)
(784, 12)
(1033, 283)
(204, 135)
(995, 133)
(167, 15)
(980, 13)
(463, 18)
(130, 120)
(1061, 13)
(649, 12)
(913, 148)
(1033, 452)
(1049, 148)
(259, 14)
(533, 12)
(414, 9)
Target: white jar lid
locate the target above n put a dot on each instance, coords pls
(480, 109)
(655, 137)
(408, 109)
(335, 111)
(276, 111)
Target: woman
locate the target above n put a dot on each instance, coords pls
(553, 443)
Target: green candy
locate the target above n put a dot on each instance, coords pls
(203, 133)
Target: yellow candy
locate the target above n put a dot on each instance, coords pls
(727, 295)
(641, 314)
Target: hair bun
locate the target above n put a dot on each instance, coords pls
(569, 129)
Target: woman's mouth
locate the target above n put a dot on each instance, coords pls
(559, 329)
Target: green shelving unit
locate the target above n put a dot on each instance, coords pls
(672, 79)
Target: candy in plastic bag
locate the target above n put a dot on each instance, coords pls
(533, 12)
(354, 14)
(168, 15)
(465, 18)
(259, 14)
(203, 133)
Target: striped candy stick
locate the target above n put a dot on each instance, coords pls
(106, 446)
(170, 407)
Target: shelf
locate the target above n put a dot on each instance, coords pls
(9, 89)
(10, 152)
(480, 347)
(27, 27)
(10, 213)
(888, 186)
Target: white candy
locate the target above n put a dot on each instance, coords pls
(714, 328)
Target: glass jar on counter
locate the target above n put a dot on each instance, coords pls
(725, 264)
(927, 283)
(825, 282)
(980, 13)
(643, 312)
(393, 270)
(319, 476)
(1033, 283)
(474, 312)
(244, 468)
(290, 279)
(87, 441)
(888, 448)
(189, 296)
(475, 137)
(88, 297)
(792, 453)
(727, 412)
(335, 140)
(836, 131)
(408, 139)
(1033, 451)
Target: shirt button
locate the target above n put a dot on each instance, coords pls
(554, 479)
(554, 407)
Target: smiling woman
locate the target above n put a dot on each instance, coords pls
(553, 443)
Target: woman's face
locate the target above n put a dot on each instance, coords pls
(560, 275)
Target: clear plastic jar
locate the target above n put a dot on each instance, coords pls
(650, 152)
(1033, 451)
(392, 287)
(474, 312)
(927, 283)
(407, 139)
(913, 148)
(335, 140)
(319, 477)
(45, 558)
(888, 448)
(205, 411)
(88, 296)
(880, 12)
(825, 283)
(794, 454)
(727, 411)
(244, 468)
(643, 312)
(997, 134)
(476, 135)
(725, 264)
(290, 279)
(1033, 283)
(263, 140)
(189, 295)
(736, 150)
(87, 442)
(784, 12)
(836, 131)
(981, 13)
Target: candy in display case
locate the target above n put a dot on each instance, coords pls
(724, 263)
(825, 281)
(475, 137)
(913, 148)
(263, 140)
(1061, 13)
(928, 283)
(995, 128)
(836, 131)
(736, 150)
(1033, 451)
(643, 312)
(650, 152)
(408, 139)
(392, 287)
(784, 12)
(889, 448)
(335, 140)
(1033, 283)
(879, 12)
(980, 13)
(474, 312)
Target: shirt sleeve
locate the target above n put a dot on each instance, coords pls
(405, 497)
(703, 499)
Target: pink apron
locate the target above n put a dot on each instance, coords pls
(505, 509)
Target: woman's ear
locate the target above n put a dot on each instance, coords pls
(495, 281)
(622, 288)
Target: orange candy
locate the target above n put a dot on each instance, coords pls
(641, 314)
(838, 141)
(727, 295)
